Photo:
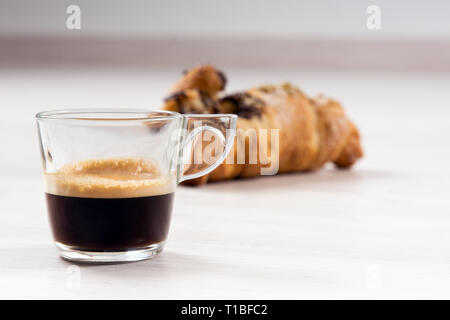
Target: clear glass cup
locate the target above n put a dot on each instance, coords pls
(110, 176)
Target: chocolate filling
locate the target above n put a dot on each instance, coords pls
(207, 101)
(177, 96)
(247, 106)
(202, 103)
(223, 78)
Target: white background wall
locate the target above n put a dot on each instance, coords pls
(291, 18)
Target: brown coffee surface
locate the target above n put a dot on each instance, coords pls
(110, 178)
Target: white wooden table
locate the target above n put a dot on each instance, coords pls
(381, 230)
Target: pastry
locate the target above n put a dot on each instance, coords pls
(296, 132)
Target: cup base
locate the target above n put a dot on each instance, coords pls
(83, 256)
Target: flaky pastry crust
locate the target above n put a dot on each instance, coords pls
(312, 131)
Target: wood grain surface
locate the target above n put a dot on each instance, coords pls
(381, 230)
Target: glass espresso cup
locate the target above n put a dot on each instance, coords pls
(110, 176)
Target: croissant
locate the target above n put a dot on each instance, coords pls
(311, 131)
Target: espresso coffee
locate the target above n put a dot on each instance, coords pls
(109, 205)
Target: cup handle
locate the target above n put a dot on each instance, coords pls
(225, 121)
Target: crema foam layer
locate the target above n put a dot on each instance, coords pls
(110, 178)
